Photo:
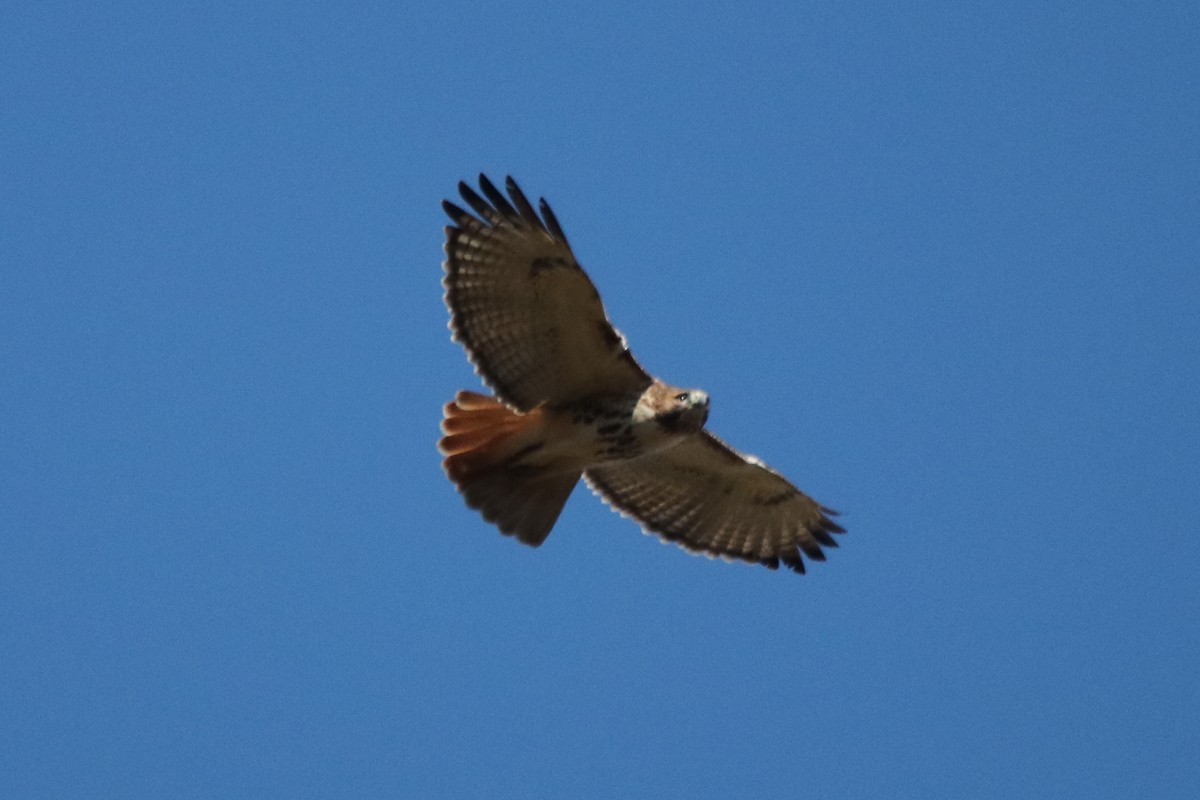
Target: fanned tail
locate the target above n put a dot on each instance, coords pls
(484, 443)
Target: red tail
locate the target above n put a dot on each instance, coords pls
(483, 444)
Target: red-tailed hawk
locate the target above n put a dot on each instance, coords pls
(571, 401)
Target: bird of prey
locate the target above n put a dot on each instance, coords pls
(571, 401)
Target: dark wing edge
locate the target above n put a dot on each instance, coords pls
(807, 539)
(497, 208)
(515, 211)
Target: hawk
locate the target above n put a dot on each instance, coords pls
(571, 400)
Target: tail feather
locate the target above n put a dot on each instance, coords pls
(474, 401)
(520, 504)
(456, 443)
(484, 443)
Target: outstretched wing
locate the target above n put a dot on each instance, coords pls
(709, 498)
(530, 319)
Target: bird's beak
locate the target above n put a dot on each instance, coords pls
(700, 401)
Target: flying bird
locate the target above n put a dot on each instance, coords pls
(571, 400)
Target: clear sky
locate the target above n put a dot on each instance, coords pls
(936, 262)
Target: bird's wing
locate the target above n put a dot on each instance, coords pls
(530, 319)
(709, 498)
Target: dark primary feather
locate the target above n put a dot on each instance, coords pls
(478, 204)
(497, 199)
(552, 221)
(526, 210)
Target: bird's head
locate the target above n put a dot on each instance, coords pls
(682, 410)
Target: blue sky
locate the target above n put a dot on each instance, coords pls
(935, 262)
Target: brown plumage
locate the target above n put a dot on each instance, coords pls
(484, 443)
(572, 401)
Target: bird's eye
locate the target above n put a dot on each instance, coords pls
(682, 397)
